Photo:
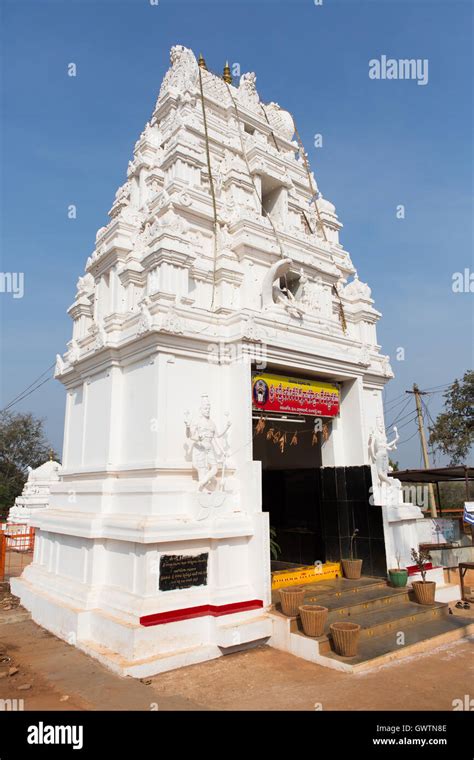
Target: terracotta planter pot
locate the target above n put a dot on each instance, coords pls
(398, 578)
(424, 591)
(352, 568)
(313, 619)
(345, 637)
(291, 599)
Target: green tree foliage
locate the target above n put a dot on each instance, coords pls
(453, 431)
(22, 444)
(454, 494)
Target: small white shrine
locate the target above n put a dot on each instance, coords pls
(35, 494)
(220, 257)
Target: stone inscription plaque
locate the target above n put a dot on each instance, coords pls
(182, 571)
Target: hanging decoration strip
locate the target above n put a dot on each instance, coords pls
(279, 437)
(211, 184)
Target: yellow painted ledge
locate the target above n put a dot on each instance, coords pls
(308, 574)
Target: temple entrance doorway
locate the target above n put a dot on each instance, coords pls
(292, 416)
(290, 454)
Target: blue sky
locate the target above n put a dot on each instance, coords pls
(68, 140)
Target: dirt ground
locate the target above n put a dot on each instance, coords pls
(56, 676)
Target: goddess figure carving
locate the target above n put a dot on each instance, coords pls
(378, 450)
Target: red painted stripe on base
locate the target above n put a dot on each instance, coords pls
(413, 569)
(173, 616)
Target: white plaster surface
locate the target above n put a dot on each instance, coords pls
(160, 293)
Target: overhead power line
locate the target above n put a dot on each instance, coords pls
(393, 403)
(27, 392)
(399, 443)
(437, 388)
(405, 424)
(399, 417)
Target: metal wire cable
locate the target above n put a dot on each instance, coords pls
(24, 394)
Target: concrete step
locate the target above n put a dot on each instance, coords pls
(317, 590)
(360, 599)
(338, 586)
(381, 621)
(418, 637)
(382, 612)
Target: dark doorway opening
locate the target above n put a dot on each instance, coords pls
(291, 488)
(292, 499)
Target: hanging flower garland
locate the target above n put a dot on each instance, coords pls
(279, 437)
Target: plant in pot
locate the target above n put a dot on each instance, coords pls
(399, 575)
(352, 567)
(275, 549)
(424, 590)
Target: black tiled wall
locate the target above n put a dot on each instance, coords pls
(344, 494)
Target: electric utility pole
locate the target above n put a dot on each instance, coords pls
(417, 393)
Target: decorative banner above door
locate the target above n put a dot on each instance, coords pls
(278, 393)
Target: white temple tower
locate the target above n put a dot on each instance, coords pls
(217, 259)
(35, 494)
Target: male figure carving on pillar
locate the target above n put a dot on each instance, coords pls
(207, 450)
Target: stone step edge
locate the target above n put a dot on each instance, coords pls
(432, 642)
(355, 589)
(406, 607)
(357, 603)
(378, 632)
(441, 609)
(405, 620)
(424, 647)
(346, 603)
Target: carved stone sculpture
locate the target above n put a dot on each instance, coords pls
(146, 320)
(85, 285)
(60, 366)
(312, 294)
(273, 294)
(281, 121)
(183, 74)
(378, 450)
(247, 93)
(207, 451)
